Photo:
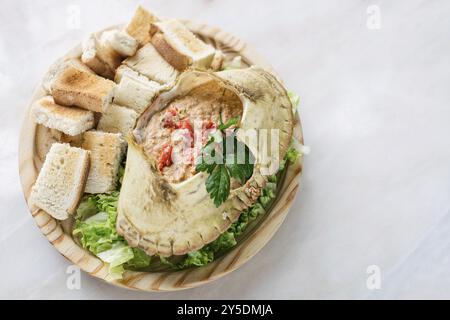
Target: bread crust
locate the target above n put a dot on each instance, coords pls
(100, 67)
(106, 150)
(61, 181)
(178, 60)
(148, 62)
(82, 185)
(100, 57)
(182, 48)
(120, 41)
(69, 120)
(59, 66)
(118, 119)
(140, 27)
(78, 88)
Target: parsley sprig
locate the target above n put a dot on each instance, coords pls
(221, 158)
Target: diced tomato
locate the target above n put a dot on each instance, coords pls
(185, 124)
(168, 123)
(173, 111)
(165, 157)
(208, 124)
(170, 118)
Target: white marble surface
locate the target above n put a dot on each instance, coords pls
(376, 111)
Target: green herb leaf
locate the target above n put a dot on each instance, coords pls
(207, 159)
(218, 185)
(222, 164)
(240, 166)
(229, 123)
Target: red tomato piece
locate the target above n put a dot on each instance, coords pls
(169, 118)
(165, 157)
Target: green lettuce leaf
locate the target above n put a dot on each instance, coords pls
(197, 258)
(225, 241)
(95, 228)
(292, 154)
(140, 259)
(115, 273)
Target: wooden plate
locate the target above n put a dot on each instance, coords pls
(35, 141)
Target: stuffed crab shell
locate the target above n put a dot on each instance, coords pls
(164, 206)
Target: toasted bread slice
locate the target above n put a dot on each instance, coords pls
(126, 70)
(100, 56)
(148, 62)
(74, 87)
(44, 139)
(120, 41)
(180, 47)
(106, 150)
(61, 181)
(135, 92)
(70, 120)
(74, 141)
(117, 119)
(140, 26)
(59, 66)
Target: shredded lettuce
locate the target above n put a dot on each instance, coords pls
(95, 227)
(140, 259)
(119, 254)
(292, 154)
(197, 258)
(295, 100)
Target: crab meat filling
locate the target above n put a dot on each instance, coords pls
(180, 130)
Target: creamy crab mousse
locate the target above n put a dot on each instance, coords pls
(175, 135)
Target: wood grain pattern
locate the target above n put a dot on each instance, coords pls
(34, 143)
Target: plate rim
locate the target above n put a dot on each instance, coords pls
(170, 280)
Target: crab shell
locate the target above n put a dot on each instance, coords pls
(166, 218)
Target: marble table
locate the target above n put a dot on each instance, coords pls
(372, 219)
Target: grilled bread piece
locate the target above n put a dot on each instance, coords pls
(70, 120)
(74, 87)
(126, 70)
(140, 26)
(58, 67)
(148, 62)
(100, 56)
(61, 180)
(180, 47)
(135, 92)
(117, 119)
(106, 151)
(120, 41)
